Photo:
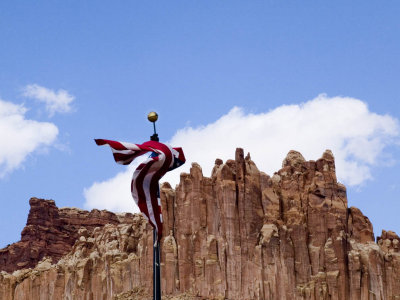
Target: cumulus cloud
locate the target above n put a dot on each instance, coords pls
(113, 194)
(56, 101)
(107, 194)
(20, 136)
(356, 136)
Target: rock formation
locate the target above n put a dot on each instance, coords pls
(51, 232)
(240, 234)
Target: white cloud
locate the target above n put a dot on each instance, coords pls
(20, 136)
(56, 102)
(105, 194)
(113, 194)
(356, 136)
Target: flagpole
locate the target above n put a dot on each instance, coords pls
(153, 117)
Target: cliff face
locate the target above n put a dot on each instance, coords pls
(51, 232)
(240, 234)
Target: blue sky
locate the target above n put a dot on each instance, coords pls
(84, 70)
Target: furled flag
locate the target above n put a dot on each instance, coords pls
(144, 185)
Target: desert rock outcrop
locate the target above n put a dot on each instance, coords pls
(239, 234)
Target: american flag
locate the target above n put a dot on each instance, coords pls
(144, 185)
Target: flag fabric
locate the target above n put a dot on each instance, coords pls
(144, 184)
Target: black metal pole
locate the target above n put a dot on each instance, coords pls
(156, 268)
(156, 246)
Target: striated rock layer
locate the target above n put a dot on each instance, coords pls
(240, 234)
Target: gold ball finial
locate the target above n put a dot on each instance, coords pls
(152, 116)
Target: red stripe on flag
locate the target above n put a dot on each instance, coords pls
(113, 144)
(138, 182)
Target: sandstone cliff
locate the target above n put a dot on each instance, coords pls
(240, 234)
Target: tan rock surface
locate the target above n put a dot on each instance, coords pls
(51, 231)
(240, 234)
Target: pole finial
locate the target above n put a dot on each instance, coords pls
(153, 117)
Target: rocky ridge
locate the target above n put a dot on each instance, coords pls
(51, 232)
(240, 234)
